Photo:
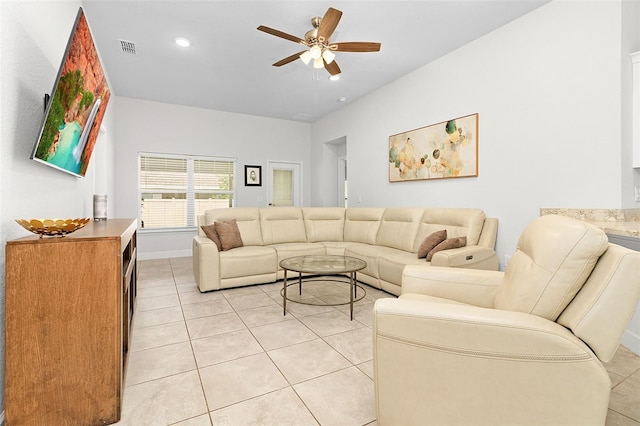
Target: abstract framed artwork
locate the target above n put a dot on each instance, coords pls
(444, 150)
(252, 175)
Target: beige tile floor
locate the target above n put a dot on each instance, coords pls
(231, 358)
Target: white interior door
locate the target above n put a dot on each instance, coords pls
(285, 183)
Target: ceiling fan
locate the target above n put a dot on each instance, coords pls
(317, 40)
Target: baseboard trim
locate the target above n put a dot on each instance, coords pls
(164, 254)
(631, 341)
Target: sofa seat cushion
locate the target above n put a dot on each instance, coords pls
(248, 260)
(287, 250)
(391, 266)
(370, 254)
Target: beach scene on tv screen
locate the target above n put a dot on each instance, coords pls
(77, 106)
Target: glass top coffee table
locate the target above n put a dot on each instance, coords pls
(324, 265)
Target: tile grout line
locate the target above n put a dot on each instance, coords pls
(264, 290)
(193, 354)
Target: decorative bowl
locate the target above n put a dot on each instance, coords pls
(53, 227)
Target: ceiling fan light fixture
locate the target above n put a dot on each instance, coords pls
(306, 57)
(317, 41)
(328, 56)
(315, 51)
(182, 42)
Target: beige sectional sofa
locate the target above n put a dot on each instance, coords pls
(386, 238)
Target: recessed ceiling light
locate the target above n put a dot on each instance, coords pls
(334, 77)
(183, 42)
(342, 99)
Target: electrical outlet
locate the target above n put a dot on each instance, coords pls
(507, 259)
(637, 193)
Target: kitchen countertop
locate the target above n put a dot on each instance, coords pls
(623, 222)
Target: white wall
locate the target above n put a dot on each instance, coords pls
(157, 127)
(547, 88)
(33, 39)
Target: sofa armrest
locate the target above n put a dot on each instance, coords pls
(439, 363)
(206, 263)
(477, 331)
(476, 257)
(472, 286)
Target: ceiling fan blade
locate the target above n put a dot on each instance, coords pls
(288, 59)
(355, 46)
(281, 34)
(332, 68)
(329, 23)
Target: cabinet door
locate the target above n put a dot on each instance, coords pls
(63, 331)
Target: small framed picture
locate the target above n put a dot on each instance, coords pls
(252, 175)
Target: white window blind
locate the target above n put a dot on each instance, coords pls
(175, 189)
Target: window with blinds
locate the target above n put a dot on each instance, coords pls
(174, 189)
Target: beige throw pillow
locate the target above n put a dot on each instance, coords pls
(447, 244)
(229, 234)
(430, 242)
(210, 232)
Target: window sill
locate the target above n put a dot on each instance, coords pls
(189, 229)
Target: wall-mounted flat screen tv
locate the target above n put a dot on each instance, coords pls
(76, 105)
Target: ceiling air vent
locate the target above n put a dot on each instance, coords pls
(128, 47)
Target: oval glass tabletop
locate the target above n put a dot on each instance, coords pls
(323, 264)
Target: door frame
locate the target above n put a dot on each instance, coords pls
(342, 178)
(296, 168)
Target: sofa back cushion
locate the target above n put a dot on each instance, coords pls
(361, 224)
(459, 222)
(324, 223)
(602, 309)
(282, 225)
(553, 258)
(398, 228)
(247, 218)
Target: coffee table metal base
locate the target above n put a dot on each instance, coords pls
(351, 281)
(333, 265)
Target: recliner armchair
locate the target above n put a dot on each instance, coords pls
(524, 346)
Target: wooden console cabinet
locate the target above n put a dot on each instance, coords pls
(69, 305)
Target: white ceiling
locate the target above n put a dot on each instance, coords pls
(228, 67)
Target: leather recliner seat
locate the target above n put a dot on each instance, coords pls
(520, 347)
